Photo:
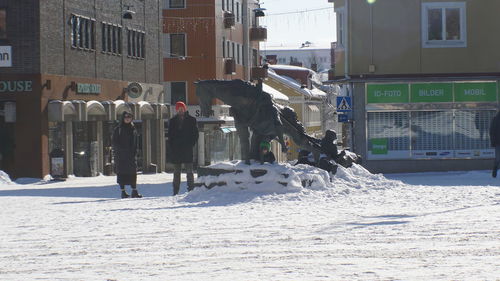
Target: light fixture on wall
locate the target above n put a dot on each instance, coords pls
(128, 13)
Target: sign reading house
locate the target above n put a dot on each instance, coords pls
(5, 56)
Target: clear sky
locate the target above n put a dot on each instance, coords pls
(312, 23)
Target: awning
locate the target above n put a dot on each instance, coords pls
(227, 130)
(313, 108)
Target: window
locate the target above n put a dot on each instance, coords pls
(82, 32)
(228, 50)
(223, 46)
(223, 5)
(443, 24)
(3, 23)
(178, 92)
(237, 11)
(238, 53)
(176, 4)
(136, 43)
(177, 45)
(341, 27)
(233, 53)
(111, 38)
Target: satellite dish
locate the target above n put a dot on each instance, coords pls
(134, 90)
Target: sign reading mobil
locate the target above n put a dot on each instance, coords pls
(476, 92)
(387, 93)
(431, 92)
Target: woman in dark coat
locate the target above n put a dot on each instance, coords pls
(182, 136)
(125, 149)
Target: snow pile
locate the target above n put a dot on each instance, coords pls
(4, 178)
(286, 178)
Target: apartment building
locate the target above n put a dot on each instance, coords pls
(209, 39)
(423, 76)
(68, 70)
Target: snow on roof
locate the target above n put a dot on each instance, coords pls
(296, 86)
(275, 94)
(289, 67)
(295, 47)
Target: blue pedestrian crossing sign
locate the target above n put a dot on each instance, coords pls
(344, 104)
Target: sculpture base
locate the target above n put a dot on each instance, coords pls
(237, 174)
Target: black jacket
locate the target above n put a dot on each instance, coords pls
(495, 130)
(182, 136)
(125, 149)
(328, 145)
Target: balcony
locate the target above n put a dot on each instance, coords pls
(230, 66)
(258, 34)
(229, 20)
(258, 73)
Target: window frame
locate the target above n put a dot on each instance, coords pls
(444, 43)
(169, 5)
(170, 53)
(185, 91)
(83, 33)
(4, 9)
(341, 27)
(136, 44)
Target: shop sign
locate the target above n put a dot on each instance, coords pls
(476, 92)
(83, 88)
(5, 56)
(431, 92)
(379, 146)
(387, 93)
(16, 86)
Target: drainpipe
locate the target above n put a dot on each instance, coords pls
(346, 43)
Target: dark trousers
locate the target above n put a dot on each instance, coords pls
(177, 176)
(496, 164)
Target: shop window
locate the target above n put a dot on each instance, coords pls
(3, 23)
(472, 130)
(177, 45)
(388, 135)
(432, 131)
(136, 44)
(111, 38)
(444, 24)
(82, 32)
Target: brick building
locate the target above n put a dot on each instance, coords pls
(210, 39)
(68, 69)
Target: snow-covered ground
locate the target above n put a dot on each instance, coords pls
(429, 226)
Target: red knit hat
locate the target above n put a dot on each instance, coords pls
(180, 104)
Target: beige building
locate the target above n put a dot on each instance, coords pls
(423, 77)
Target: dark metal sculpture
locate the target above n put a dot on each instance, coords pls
(254, 109)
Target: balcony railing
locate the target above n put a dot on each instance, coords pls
(230, 66)
(258, 34)
(229, 20)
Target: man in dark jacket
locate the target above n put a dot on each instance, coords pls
(125, 149)
(495, 141)
(182, 136)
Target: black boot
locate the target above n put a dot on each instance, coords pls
(135, 194)
(494, 173)
(125, 194)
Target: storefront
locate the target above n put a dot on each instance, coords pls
(445, 124)
(63, 125)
